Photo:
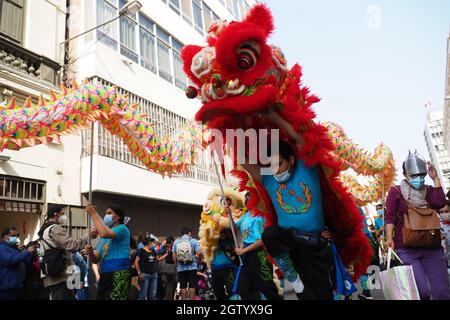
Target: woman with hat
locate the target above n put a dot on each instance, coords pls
(404, 203)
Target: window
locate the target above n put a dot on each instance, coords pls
(437, 148)
(247, 7)
(175, 5)
(186, 8)
(236, 9)
(163, 46)
(198, 20)
(144, 42)
(107, 10)
(207, 14)
(230, 6)
(128, 35)
(48, 74)
(166, 123)
(242, 9)
(147, 43)
(11, 19)
(180, 78)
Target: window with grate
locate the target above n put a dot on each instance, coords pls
(208, 16)
(21, 189)
(166, 123)
(147, 43)
(107, 10)
(236, 9)
(186, 8)
(128, 41)
(163, 49)
(12, 19)
(175, 5)
(198, 19)
(180, 77)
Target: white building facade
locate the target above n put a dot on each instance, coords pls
(434, 138)
(140, 55)
(447, 100)
(30, 179)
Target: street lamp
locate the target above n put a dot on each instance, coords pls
(4, 159)
(129, 8)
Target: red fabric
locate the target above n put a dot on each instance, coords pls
(227, 52)
(187, 54)
(295, 101)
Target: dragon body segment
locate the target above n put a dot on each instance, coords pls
(74, 109)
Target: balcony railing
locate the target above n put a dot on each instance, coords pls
(17, 59)
(166, 124)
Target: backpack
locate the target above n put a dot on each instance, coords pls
(421, 227)
(184, 251)
(53, 260)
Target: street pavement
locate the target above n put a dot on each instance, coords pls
(289, 293)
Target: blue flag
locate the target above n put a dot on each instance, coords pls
(344, 283)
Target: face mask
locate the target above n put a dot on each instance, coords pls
(417, 182)
(284, 176)
(13, 240)
(63, 220)
(380, 212)
(108, 220)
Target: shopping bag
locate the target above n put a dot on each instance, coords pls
(398, 282)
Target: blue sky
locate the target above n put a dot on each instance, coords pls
(374, 76)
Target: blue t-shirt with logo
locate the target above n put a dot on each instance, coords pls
(298, 201)
(115, 253)
(251, 227)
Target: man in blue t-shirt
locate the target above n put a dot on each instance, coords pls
(297, 242)
(185, 251)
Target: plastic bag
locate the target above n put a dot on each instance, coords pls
(398, 282)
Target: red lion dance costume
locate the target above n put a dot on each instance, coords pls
(239, 76)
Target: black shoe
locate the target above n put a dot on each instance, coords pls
(305, 295)
(365, 295)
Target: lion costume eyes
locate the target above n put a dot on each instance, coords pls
(248, 55)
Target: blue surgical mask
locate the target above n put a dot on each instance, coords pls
(380, 212)
(284, 176)
(108, 220)
(417, 182)
(13, 240)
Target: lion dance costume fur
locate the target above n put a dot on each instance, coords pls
(238, 76)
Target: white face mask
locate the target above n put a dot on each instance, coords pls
(284, 176)
(63, 220)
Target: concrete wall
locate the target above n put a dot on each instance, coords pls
(45, 27)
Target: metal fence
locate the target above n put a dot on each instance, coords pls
(166, 124)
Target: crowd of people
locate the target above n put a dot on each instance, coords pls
(123, 267)
(145, 267)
